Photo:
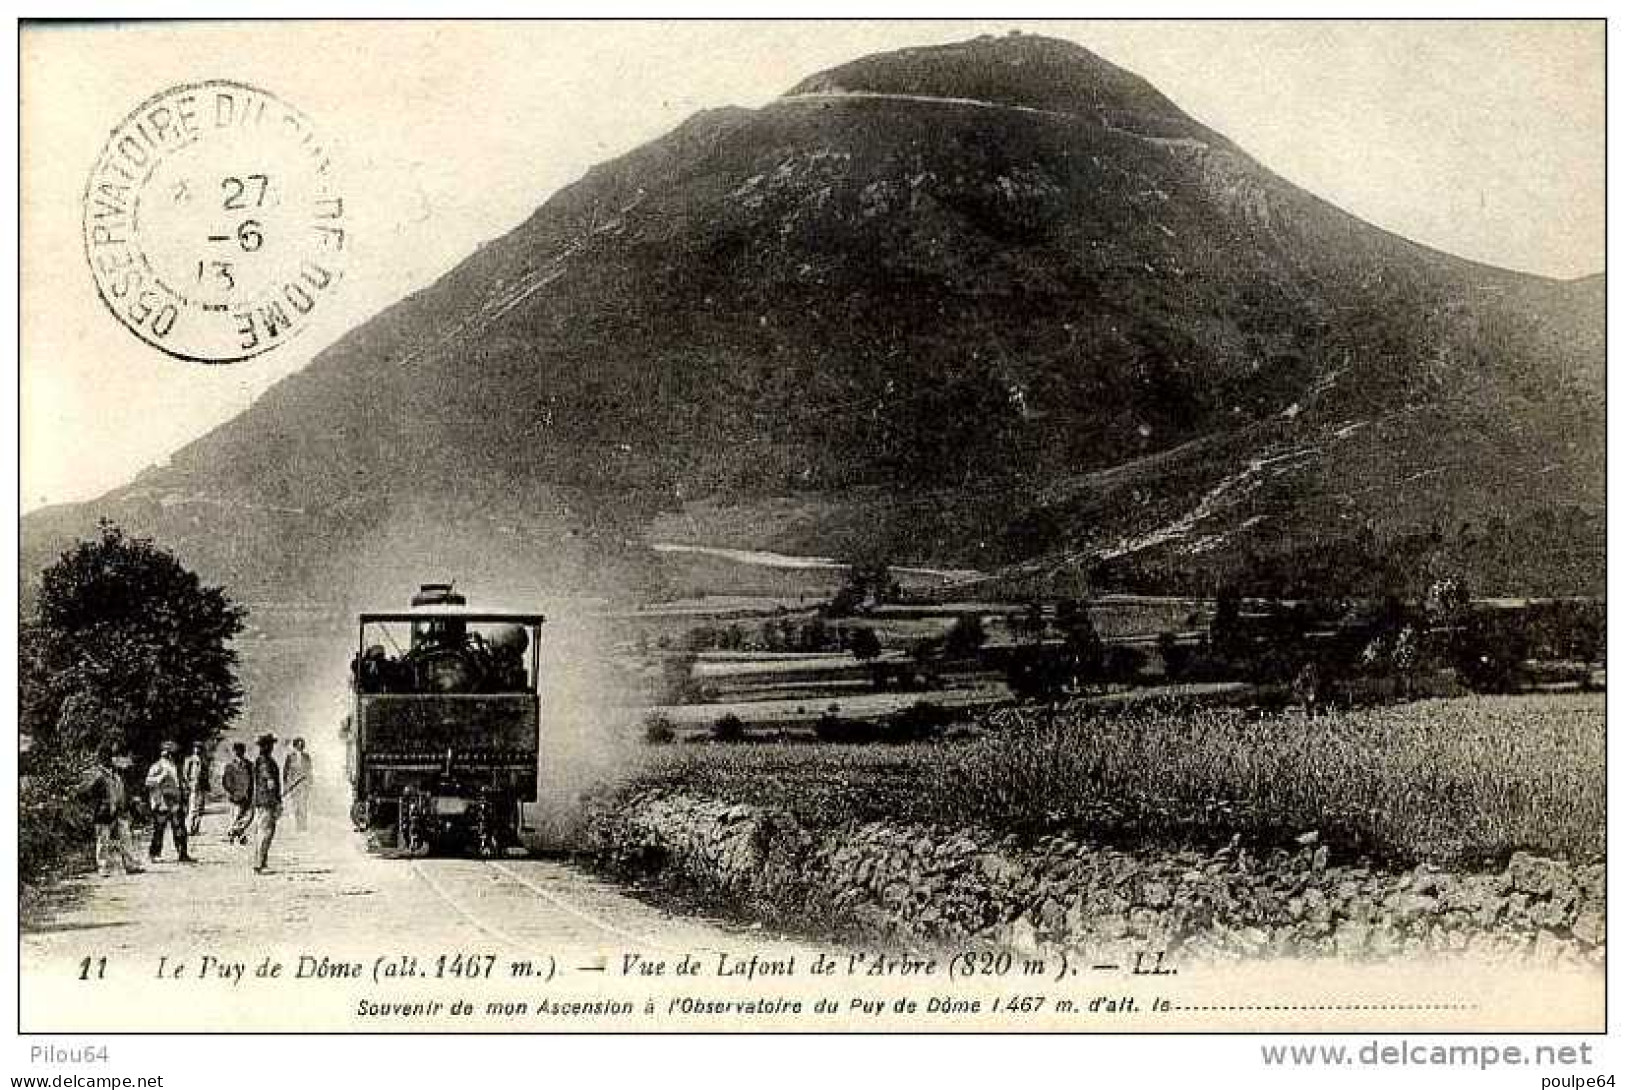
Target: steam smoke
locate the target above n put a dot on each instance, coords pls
(297, 674)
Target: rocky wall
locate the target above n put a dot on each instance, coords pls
(937, 886)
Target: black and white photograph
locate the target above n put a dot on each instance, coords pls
(837, 527)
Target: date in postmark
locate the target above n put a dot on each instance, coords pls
(213, 222)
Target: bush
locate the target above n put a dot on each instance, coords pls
(966, 637)
(53, 826)
(919, 722)
(1176, 657)
(657, 730)
(730, 728)
(864, 643)
(1039, 672)
(1490, 653)
(814, 635)
(868, 584)
(832, 727)
(1122, 664)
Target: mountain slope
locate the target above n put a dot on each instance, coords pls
(990, 303)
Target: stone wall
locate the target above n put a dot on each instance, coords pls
(959, 887)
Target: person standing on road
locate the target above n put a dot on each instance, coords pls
(238, 781)
(296, 783)
(195, 776)
(267, 801)
(109, 800)
(167, 797)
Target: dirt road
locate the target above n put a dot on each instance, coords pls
(359, 938)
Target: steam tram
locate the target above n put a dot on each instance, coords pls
(441, 747)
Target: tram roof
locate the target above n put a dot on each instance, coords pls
(461, 613)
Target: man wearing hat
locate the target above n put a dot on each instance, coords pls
(168, 800)
(110, 812)
(238, 780)
(267, 800)
(195, 777)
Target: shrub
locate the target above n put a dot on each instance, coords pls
(730, 728)
(864, 643)
(832, 728)
(813, 635)
(918, 723)
(1490, 653)
(966, 637)
(1122, 664)
(53, 826)
(1176, 658)
(657, 730)
(1038, 672)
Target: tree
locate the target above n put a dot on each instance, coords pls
(127, 646)
(730, 728)
(814, 634)
(1033, 624)
(677, 676)
(868, 584)
(966, 636)
(1039, 672)
(1491, 651)
(1083, 644)
(1176, 658)
(1227, 640)
(864, 643)
(657, 730)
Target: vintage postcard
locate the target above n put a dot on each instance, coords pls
(648, 527)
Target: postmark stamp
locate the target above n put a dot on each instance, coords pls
(213, 222)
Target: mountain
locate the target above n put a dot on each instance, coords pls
(997, 304)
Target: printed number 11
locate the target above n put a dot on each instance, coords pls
(93, 969)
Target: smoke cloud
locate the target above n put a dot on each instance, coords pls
(296, 656)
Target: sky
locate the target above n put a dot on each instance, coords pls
(1481, 139)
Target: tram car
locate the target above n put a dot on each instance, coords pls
(441, 746)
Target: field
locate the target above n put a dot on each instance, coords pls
(1458, 782)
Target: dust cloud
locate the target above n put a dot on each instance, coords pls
(588, 725)
(296, 657)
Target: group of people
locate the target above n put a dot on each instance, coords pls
(258, 790)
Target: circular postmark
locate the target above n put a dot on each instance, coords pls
(212, 222)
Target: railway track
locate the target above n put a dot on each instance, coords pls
(514, 905)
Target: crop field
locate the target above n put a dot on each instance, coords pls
(765, 713)
(1458, 782)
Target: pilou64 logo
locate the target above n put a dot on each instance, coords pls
(213, 223)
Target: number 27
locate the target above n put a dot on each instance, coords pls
(235, 188)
